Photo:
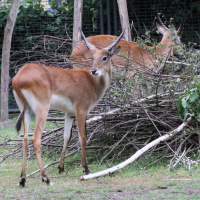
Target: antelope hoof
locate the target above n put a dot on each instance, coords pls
(61, 169)
(87, 172)
(22, 181)
(45, 178)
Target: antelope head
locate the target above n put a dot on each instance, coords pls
(172, 37)
(101, 59)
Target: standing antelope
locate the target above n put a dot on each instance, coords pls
(39, 88)
(139, 57)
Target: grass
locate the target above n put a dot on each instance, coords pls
(126, 183)
(132, 182)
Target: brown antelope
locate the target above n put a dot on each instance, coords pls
(39, 88)
(139, 57)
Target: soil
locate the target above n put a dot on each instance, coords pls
(7, 122)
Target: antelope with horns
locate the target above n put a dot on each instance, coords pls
(39, 88)
(139, 57)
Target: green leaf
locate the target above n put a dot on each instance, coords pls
(193, 96)
(26, 5)
(185, 114)
(179, 101)
(188, 105)
(184, 103)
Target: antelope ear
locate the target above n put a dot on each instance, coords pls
(115, 50)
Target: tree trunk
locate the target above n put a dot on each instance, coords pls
(78, 9)
(123, 13)
(6, 58)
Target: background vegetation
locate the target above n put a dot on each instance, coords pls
(143, 116)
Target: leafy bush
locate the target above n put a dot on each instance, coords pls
(32, 20)
(189, 105)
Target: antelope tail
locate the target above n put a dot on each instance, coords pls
(19, 122)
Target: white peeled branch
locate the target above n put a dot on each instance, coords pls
(138, 153)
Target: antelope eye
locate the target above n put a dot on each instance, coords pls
(104, 58)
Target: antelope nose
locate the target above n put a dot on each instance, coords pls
(93, 71)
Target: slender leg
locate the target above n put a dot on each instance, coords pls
(36, 140)
(81, 119)
(67, 136)
(26, 122)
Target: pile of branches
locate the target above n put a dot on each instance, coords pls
(126, 120)
(116, 131)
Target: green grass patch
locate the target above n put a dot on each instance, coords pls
(132, 182)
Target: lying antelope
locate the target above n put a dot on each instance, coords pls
(39, 88)
(139, 57)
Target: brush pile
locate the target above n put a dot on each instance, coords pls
(127, 118)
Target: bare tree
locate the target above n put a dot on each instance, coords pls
(6, 57)
(78, 9)
(123, 13)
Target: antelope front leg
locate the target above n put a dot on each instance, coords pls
(67, 136)
(81, 119)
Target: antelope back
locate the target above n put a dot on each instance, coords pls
(139, 57)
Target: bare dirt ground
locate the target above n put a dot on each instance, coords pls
(6, 123)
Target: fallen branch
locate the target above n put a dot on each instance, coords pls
(138, 153)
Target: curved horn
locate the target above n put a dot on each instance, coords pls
(180, 29)
(162, 24)
(115, 43)
(89, 46)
